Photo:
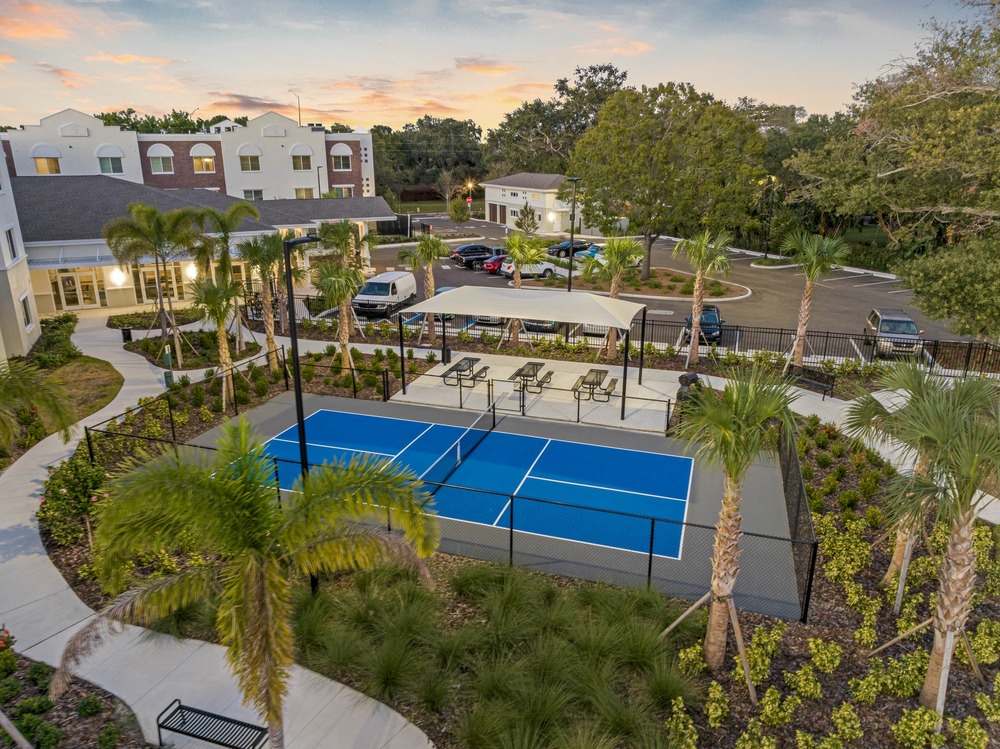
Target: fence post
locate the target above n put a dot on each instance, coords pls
(284, 366)
(968, 358)
(385, 385)
(402, 353)
(461, 398)
(233, 371)
(277, 479)
(809, 583)
(649, 568)
(170, 413)
(90, 445)
(510, 536)
(354, 382)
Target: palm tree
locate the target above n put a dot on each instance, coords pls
(707, 255)
(23, 385)
(345, 239)
(148, 232)
(428, 249)
(263, 256)
(223, 504)
(817, 255)
(867, 416)
(621, 258)
(960, 444)
(734, 430)
(217, 299)
(522, 251)
(339, 284)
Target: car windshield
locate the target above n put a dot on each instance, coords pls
(710, 316)
(898, 327)
(374, 288)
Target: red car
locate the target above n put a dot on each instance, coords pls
(492, 265)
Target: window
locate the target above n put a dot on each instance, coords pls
(514, 194)
(342, 163)
(161, 164)
(303, 193)
(342, 192)
(10, 244)
(45, 165)
(26, 311)
(253, 194)
(513, 213)
(111, 165)
(203, 164)
(302, 163)
(249, 163)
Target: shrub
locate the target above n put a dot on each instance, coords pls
(849, 499)
(198, 396)
(808, 471)
(32, 706)
(680, 727)
(39, 674)
(10, 688)
(823, 459)
(968, 734)
(109, 737)
(760, 652)
(717, 706)
(868, 484)
(54, 347)
(8, 660)
(755, 738)
(846, 724)
(69, 495)
(873, 518)
(804, 683)
(89, 705)
(825, 655)
(260, 387)
(431, 357)
(917, 729)
(217, 404)
(691, 660)
(777, 712)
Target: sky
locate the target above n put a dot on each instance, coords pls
(367, 62)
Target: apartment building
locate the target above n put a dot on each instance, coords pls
(19, 327)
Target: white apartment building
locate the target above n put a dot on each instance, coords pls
(506, 196)
(19, 326)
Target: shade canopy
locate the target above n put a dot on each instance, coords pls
(578, 307)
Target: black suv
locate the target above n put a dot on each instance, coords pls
(892, 331)
(562, 249)
(473, 255)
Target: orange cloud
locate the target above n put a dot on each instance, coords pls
(632, 48)
(484, 66)
(126, 59)
(24, 20)
(68, 78)
(6, 59)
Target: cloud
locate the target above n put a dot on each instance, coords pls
(68, 78)
(247, 103)
(26, 20)
(6, 59)
(631, 48)
(127, 59)
(484, 66)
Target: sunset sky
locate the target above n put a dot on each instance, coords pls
(393, 61)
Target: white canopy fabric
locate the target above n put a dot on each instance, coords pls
(578, 307)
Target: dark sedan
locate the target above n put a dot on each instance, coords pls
(562, 249)
(711, 324)
(472, 255)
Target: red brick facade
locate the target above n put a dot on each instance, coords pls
(184, 175)
(344, 177)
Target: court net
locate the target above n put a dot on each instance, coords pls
(460, 449)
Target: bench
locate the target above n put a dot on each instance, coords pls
(605, 391)
(537, 385)
(480, 375)
(215, 729)
(576, 387)
(815, 379)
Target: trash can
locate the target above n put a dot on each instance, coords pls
(446, 354)
(168, 379)
(126, 335)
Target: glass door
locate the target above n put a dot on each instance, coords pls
(87, 284)
(70, 292)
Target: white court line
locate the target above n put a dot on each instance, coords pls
(334, 447)
(525, 478)
(606, 488)
(431, 426)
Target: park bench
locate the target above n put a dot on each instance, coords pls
(815, 379)
(480, 375)
(603, 392)
(215, 729)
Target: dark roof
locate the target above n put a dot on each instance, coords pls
(529, 181)
(66, 208)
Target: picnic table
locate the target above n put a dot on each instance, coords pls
(588, 385)
(463, 369)
(531, 378)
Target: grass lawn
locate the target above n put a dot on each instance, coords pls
(661, 282)
(90, 383)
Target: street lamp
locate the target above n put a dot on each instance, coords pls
(572, 233)
(469, 185)
(298, 102)
(300, 416)
(771, 180)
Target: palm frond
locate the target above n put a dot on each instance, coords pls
(23, 385)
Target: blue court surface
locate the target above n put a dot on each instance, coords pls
(566, 490)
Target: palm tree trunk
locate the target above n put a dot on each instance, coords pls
(614, 292)
(697, 303)
(958, 583)
(800, 331)
(903, 534)
(344, 320)
(159, 298)
(515, 325)
(725, 568)
(173, 326)
(275, 735)
(225, 362)
(429, 294)
(282, 304)
(268, 310)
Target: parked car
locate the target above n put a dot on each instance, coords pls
(543, 269)
(493, 264)
(892, 331)
(588, 251)
(489, 320)
(472, 255)
(711, 324)
(562, 248)
(385, 294)
(541, 326)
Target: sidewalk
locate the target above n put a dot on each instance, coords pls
(144, 669)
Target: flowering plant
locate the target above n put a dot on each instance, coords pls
(6, 639)
(8, 661)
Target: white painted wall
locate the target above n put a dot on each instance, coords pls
(16, 338)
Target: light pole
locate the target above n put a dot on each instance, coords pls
(319, 185)
(771, 179)
(298, 103)
(572, 233)
(300, 416)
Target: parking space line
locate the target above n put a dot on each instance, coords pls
(873, 283)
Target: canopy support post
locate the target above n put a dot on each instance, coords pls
(642, 344)
(628, 333)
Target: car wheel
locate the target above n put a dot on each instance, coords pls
(477, 265)
(564, 253)
(547, 273)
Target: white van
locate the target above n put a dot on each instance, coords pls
(385, 294)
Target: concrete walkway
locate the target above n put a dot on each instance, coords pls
(144, 669)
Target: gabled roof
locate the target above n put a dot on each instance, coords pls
(69, 208)
(529, 181)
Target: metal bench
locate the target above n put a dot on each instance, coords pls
(215, 729)
(812, 378)
(603, 392)
(480, 375)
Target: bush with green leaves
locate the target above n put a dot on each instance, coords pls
(775, 711)
(54, 347)
(804, 683)
(39, 674)
(41, 734)
(967, 733)
(70, 495)
(681, 732)
(716, 706)
(755, 738)
(10, 687)
(761, 650)
(89, 705)
(917, 729)
(8, 659)
(109, 737)
(846, 723)
(691, 660)
(825, 656)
